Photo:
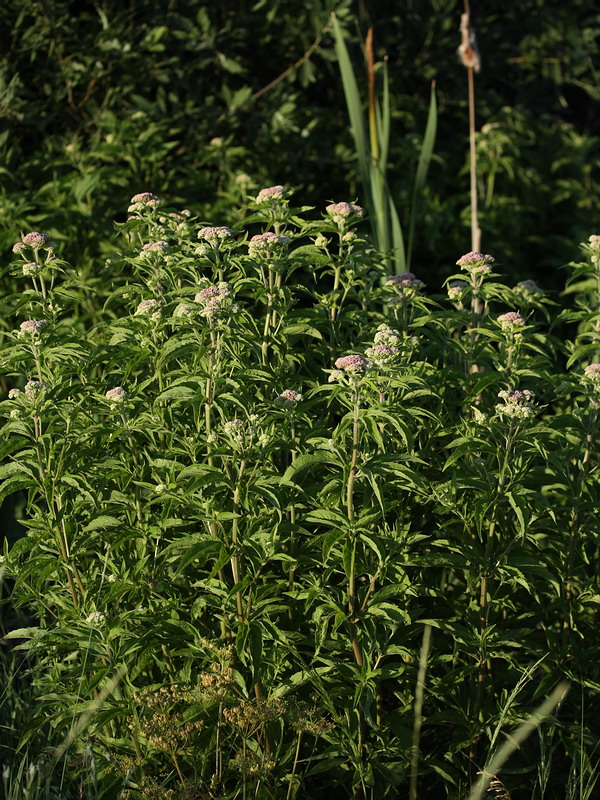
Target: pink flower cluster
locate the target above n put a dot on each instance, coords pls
(142, 201)
(592, 372)
(342, 212)
(511, 320)
(35, 240)
(406, 280)
(352, 363)
(33, 327)
(473, 259)
(214, 235)
(288, 398)
(269, 194)
(156, 247)
(116, 395)
(213, 299)
(266, 244)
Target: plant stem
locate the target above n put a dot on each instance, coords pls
(296, 757)
(235, 563)
(418, 721)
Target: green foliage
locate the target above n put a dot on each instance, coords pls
(256, 467)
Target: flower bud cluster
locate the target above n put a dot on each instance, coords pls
(35, 241)
(349, 367)
(406, 285)
(288, 398)
(386, 335)
(382, 355)
(456, 290)
(32, 328)
(528, 288)
(253, 764)
(592, 373)
(518, 404)
(511, 321)
(269, 195)
(215, 235)
(342, 213)
(96, 618)
(476, 264)
(116, 395)
(149, 308)
(142, 202)
(214, 300)
(155, 247)
(265, 245)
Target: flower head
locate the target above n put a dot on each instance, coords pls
(269, 194)
(33, 327)
(214, 299)
(352, 363)
(386, 335)
(14, 393)
(145, 200)
(456, 290)
(96, 618)
(288, 398)
(156, 247)
(518, 404)
(382, 354)
(31, 268)
(511, 320)
(592, 373)
(215, 235)
(476, 264)
(341, 213)
(34, 389)
(406, 280)
(528, 287)
(35, 239)
(116, 395)
(148, 307)
(267, 244)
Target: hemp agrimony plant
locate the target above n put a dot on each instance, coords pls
(255, 468)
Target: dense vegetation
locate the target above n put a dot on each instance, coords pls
(281, 523)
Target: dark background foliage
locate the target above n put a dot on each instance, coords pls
(206, 103)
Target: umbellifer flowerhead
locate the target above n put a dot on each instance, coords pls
(288, 398)
(510, 321)
(116, 395)
(269, 194)
(518, 404)
(352, 363)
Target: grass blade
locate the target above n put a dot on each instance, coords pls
(422, 168)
